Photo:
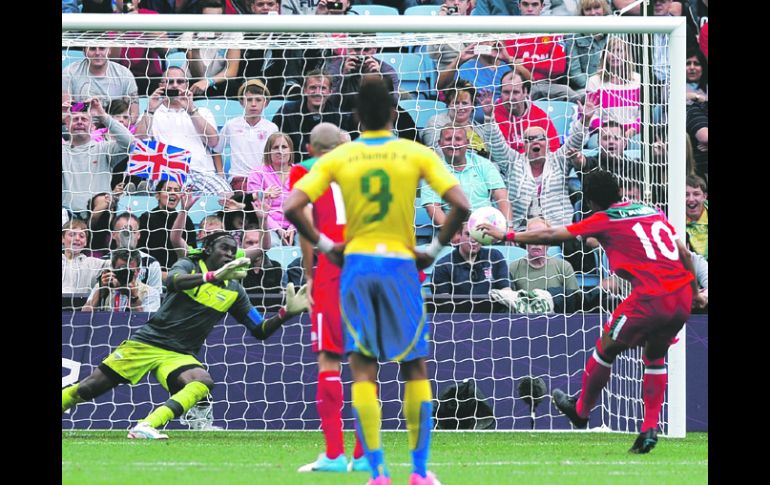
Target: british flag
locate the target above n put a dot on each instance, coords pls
(157, 161)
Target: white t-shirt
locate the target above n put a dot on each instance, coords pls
(247, 144)
(176, 128)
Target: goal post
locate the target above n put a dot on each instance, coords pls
(80, 30)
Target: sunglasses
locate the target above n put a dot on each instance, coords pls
(535, 138)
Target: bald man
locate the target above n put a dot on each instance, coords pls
(537, 178)
(326, 337)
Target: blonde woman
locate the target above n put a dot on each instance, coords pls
(617, 87)
(271, 182)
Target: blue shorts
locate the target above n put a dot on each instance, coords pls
(382, 307)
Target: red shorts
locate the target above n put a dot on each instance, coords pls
(639, 319)
(326, 323)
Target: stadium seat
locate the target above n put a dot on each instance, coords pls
(562, 114)
(272, 108)
(416, 71)
(136, 204)
(143, 101)
(423, 10)
(422, 110)
(176, 59)
(205, 206)
(219, 108)
(423, 226)
(284, 255)
(374, 10)
(444, 251)
(68, 56)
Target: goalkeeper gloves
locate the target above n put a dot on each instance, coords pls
(295, 302)
(234, 270)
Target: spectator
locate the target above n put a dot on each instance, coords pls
(96, 76)
(155, 225)
(124, 231)
(460, 99)
(537, 179)
(101, 209)
(697, 216)
(298, 118)
(295, 271)
(119, 110)
(515, 112)
(483, 64)
(478, 178)
(79, 272)
(119, 289)
(697, 124)
(69, 6)
(173, 119)
(543, 56)
(145, 63)
(87, 165)
(702, 274)
(470, 269)
(246, 135)
(348, 68)
(445, 54)
(271, 181)
(697, 14)
(584, 50)
(612, 155)
(496, 7)
(542, 272)
(322, 7)
(265, 275)
(169, 6)
(697, 77)
(566, 7)
(215, 69)
(617, 87)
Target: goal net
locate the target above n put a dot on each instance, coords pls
(630, 68)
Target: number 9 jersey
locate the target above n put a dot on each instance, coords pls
(640, 245)
(378, 175)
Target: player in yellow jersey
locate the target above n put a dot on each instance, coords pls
(380, 298)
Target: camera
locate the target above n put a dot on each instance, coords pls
(335, 6)
(172, 92)
(123, 275)
(482, 50)
(451, 10)
(124, 238)
(80, 107)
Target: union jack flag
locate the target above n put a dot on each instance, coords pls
(154, 160)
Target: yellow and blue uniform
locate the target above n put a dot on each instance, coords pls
(380, 296)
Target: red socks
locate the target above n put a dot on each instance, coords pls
(654, 389)
(329, 402)
(595, 377)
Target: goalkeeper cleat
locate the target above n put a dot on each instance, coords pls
(567, 405)
(645, 442)
(360, 464)
(429, 479)
(144, 431)
(326, 464)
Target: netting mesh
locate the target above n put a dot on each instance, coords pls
(270, 385)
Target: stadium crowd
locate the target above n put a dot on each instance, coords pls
(492, 129)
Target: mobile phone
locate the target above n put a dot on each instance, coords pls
(335, 6)
(80, 107)
(172, 92)
(482, 50)
(451, 10)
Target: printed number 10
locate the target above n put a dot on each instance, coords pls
(657, 229)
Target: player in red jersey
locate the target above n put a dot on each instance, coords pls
(326, 325)
(643, 248)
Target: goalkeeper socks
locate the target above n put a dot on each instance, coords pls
(418, 410)
(178, 404)
(329, 403)
(595, 377)
(654, 389)
(368, 421)
(70, 397)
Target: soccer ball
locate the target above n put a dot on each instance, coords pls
(485, 214)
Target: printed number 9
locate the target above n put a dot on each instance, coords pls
(383, 196)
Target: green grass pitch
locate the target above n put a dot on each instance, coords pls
(231, 457)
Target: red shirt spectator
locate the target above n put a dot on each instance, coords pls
(542, 55)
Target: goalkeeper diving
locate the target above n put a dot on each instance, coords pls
(201, 289)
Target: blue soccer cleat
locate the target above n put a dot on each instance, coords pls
(360, 464)
(325, 464)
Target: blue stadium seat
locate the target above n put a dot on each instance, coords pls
(272, 108)
(423, 226)
(176, 59)
(143, 101)
(422, 110)
(284, 255)
(423, 10)
(205, 206)
(446, 250)
(68, 56)
(562, 114)
(416, 71)
(374, 10)
(219, 108)
(137, 204)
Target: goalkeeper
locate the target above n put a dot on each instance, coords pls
(201, 289)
